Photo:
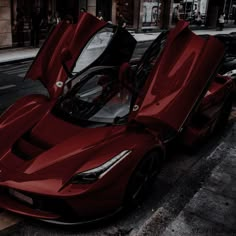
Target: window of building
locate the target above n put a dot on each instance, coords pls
(230, 11)
(151, 13)
(194, 11)
(126, 8)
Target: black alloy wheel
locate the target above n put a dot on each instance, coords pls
(142, 178)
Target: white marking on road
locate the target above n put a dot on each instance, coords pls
(7, 86)
(233, 114)
(14, 70)
(22, 74)
(8, 219)
(26, 62)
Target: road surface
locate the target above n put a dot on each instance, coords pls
(181, 177)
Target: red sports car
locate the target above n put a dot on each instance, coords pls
(95, 143)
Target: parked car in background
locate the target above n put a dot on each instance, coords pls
(228, 66)
(95, 144)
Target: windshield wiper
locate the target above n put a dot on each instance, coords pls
(120, 120)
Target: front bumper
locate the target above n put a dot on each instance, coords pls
(19, 208)
(67, 211)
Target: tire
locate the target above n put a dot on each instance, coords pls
(142, 178)
(222, 120)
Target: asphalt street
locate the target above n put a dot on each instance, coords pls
(13, 86)
(181, 178)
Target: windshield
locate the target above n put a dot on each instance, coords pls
(94, 48)
(99, 98)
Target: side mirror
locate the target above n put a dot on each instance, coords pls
(66, 56)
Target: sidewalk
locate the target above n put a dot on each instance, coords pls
(28, 53)
(17, 54)
(212, 209)
(142, 37)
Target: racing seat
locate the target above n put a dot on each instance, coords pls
(126, 77)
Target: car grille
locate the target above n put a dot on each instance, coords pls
(42, 203)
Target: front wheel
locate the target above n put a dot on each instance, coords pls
(142, 178)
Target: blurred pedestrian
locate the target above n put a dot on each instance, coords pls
(69, 19)
(198, 19)
(82, 9)
(58, 18)
(99, 16)
(122, 21)
(221, 21)
(176, 15)
(36, 23)
(51, 21)
(20, 27)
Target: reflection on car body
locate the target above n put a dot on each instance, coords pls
(228, 66)
(97, 142)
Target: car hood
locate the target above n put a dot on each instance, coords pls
(55, 166)
(178, 80)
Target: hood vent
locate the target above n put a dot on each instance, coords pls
(27, 147)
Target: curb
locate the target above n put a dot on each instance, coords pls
(16, 61)
(141, 41)
(7, 62)
(145, 41)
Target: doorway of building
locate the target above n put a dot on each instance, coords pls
(126, 8)
(71, 7)
(105, 6)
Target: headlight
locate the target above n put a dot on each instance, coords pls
(92, 175)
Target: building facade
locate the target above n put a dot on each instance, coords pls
(141, 15)
(5, 23)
